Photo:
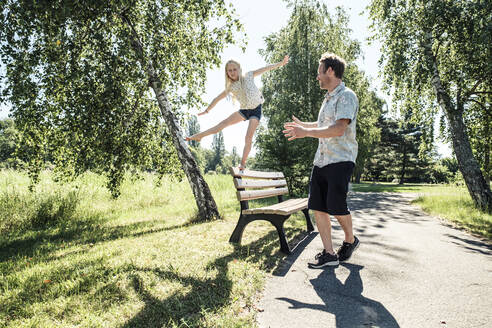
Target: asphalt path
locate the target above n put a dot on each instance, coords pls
(411, 270)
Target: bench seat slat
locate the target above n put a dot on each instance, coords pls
(289, 205)
(284, 208)
(256, 194)
(286, 204)
(255, 174)
(248, 184)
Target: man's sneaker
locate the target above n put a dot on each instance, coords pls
(346, 250)
(324, 259)
(317, 256)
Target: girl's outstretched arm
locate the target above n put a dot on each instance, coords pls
(214, 102)
(272, 66)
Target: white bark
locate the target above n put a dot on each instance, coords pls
(207, 209)
(468, 165)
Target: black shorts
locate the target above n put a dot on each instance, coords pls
(250, 113)
(328, 188)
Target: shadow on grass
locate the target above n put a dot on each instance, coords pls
(207, 295)
(89, 231)
(86, 276)
(188, 305)
(44, 286)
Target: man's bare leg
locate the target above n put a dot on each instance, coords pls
(346, 224)
(324, 227)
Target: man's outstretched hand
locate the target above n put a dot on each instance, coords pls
(294, 131)
(296, 120)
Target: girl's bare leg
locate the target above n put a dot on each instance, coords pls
(248, 140)
(232, 119)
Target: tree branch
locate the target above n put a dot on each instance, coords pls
(478, 102)
(458, 97)
(481, 92)
(438, 46)
(137, 44)
(469, 93)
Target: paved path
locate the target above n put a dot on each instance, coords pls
(410, 270)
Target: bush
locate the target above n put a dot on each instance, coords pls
(21, 209)
(457, 179)
(440, 173)
(54, 209)
(14, 211)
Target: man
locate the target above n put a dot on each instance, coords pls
(334, 160)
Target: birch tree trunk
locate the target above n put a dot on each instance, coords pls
(468, 165)
(487, 149)
(207, 208)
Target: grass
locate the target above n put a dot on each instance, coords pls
(72, 256)
(451, 203)
(391, 187)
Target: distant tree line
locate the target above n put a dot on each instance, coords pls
(402, 156)
(216, 159)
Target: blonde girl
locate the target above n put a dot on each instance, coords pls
(242, 88)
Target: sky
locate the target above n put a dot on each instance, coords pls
(261, 18)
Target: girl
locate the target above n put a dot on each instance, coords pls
(243, 89)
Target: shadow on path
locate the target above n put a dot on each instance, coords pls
(471, 244)
(305, 238)
(394, 205)
(345, 300)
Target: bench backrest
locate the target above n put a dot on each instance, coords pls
(258, 184)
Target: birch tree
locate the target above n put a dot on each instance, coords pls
(437, 55)
(102, 85)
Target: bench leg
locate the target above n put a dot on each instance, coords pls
(308, 220)
(275, 220)
(284, 246)
(237, 234)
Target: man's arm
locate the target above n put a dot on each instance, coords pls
(295, 131)
(305, 124)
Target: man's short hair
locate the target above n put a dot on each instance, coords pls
(336, 63)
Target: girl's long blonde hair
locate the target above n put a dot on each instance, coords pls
(228, 80)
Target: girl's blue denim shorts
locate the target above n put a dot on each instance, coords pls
(250, 113)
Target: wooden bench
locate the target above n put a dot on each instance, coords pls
(256, 185)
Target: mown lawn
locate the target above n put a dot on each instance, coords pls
(448, 202)
(72, 256)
